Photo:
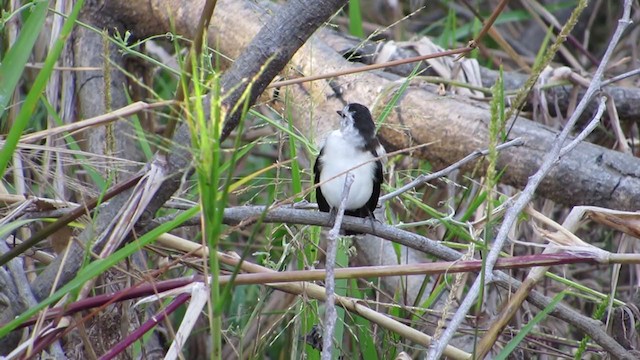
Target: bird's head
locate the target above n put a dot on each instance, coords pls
(356, 120)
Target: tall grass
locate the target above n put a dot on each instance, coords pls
(271, 170)
(13, 65)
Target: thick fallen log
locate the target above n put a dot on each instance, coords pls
(456, 126)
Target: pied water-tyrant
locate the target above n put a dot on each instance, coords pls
(351, 148)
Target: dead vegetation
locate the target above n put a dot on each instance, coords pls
(117, 190)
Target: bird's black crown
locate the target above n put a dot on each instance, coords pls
(362, 119)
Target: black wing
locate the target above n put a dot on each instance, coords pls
(368, 209)
(317, 168)
(375, 194)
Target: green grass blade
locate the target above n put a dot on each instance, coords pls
(13, 226)
(342, 259)
(82, 160)
(100, 266)
(30, 102)
(598, 314)
(143, 141)
(511, 346)
(395, 99)
(355, 19)
(296, 181)
(13, 64)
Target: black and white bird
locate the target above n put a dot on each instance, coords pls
(352, 148)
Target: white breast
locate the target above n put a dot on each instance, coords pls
(340, 155)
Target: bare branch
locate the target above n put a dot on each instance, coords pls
(330, 314)
(587, 130)
(591, 327)
(438, 174)
(270, 51)
(512, 214)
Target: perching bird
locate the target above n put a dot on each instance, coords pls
(352, 148)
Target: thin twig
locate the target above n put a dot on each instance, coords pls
(511, 216)
(290, 215)
(616, 78)
(425, 178)
(489, 23)
(269, 52)
(99, 120)
(330, 314)
(69, 217)
(371, 67)
(588, 129)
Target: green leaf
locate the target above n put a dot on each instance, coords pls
(355, 19)
(511, 346)
(13, 64)
(12, 226)
(100, 266)
(30, 102)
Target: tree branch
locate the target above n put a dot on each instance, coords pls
(270, 51)
(626, 98)
(454, 125)
(245, 215)
(511, 216)
(330, 314)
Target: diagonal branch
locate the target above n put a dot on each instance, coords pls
(282, 36)
(591, 327)
(438, 174)
(270, 51)
(527, 194)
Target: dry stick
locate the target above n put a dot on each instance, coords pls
(539, 14)
(274, 45)
(66, 219)
(588, 129)
(113, 236)
(425, 178)
(371, 67)
(330, 314)
(513, 305)
(435, 268)
(460, 51)
(85, 124)
(311, 290)
(16, 273)
(621, 77)
(614, 119)
(512, 214)
(489, 23)
(493, 33)
(266, 278)
(288, 215)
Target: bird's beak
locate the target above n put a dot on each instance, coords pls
(339, 113)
